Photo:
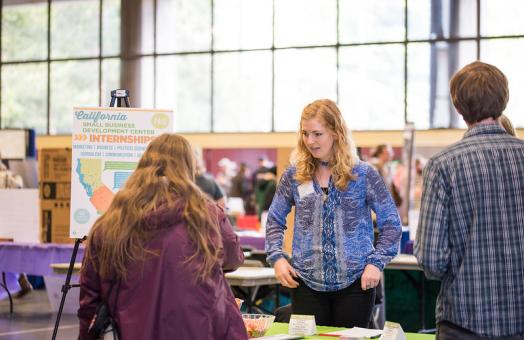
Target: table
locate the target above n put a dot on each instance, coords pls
(33, 258)
(252, 239)
(282, 328)
(62, 268)
(252, 278)
(405, 262)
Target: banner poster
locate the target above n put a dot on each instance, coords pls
(107, 144)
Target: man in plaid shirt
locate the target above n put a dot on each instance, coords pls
(471, 227)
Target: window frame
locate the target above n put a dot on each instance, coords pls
(405, 42)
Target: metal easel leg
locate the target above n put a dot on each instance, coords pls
(4, 285)
(67, 285)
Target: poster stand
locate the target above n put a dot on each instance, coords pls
(118, 97)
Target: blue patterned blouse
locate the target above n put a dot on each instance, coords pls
(333, 235)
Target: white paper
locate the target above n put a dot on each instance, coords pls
(357, 332)
(279, 337)
(19, 215)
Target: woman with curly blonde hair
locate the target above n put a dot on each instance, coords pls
(334, 267)
(157, 255)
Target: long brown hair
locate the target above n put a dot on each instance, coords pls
(344, 152)
(164, 174)
(507, 125)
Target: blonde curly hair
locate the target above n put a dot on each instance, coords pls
(344, 152)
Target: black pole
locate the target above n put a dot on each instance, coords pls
(4, 285)
(67, 285)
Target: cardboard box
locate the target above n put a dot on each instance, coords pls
(55, 221)
(55, 165)
(55, 191)
(55, 194)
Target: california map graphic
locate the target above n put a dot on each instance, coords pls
(90, 172)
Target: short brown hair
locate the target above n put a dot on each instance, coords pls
(479, 91)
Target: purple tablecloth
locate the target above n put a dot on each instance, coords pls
(35, 258)
(256, 242)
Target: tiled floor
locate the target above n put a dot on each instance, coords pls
(33, 320)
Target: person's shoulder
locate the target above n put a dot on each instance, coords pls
(457, 150)
(290, 171)
(215, 210)
(207, 177)
(448, 153)
(514, 141)
(362, 168)
(439, 160)
(206, 181)
(200, 178)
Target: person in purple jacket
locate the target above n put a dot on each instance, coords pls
(164, 246)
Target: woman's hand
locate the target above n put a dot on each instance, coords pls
(370, 277)
(285, 273)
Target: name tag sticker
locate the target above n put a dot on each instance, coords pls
(305, 189)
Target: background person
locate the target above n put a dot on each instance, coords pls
(166, 245)
(226, 172)
(264, 190)
(507, 125)
(206, 182)
(381, 161)
(334, 267)
(471, 234)
(9, 180)
(263, 166)
(266, 185)
(241, 187)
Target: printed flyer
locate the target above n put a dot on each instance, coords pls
(107, 144)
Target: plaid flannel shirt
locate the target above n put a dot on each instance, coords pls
(471, 231)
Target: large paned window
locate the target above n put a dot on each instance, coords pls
(56, 54)
(252, 65)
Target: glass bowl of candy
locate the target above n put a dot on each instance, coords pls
(257, 324)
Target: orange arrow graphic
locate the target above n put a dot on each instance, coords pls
(80, 137)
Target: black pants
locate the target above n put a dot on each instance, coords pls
(349, 307)
(449, 331)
